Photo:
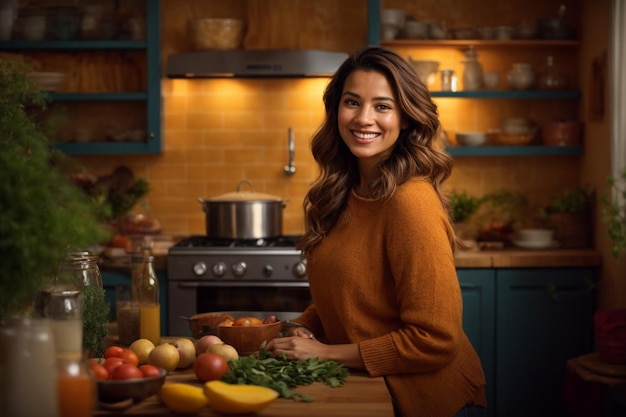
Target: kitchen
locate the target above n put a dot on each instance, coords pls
(217, 132)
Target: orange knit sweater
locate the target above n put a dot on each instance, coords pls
(384, 278)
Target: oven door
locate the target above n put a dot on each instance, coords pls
(285, 300)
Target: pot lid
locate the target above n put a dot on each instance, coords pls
(244, 195)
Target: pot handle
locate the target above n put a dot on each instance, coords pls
(245, 182)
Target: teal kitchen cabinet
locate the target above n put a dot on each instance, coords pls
(111, 278)
(543, 318)
(478, 290)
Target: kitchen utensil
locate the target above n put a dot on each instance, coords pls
(114, 391)
(210, 33)
(243, 214)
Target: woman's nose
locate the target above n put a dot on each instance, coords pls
(364, 115)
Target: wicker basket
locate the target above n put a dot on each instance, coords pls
(216, 33)
(517, 139)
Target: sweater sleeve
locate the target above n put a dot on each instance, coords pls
(310, 319)
(428, 296)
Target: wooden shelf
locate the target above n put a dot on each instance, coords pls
(465, 43)
(529, 150)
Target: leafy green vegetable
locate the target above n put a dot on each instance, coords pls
(95, 320)
(282, 374)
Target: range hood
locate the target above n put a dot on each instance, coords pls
(254, 63)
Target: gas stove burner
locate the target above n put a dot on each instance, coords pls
(207, 242)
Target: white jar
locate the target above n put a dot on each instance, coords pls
(521, 77)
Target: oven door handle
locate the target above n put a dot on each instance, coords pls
(238, 284)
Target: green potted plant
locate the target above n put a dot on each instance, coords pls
(43, 213)
(614, 215)
(500, 210)
(570, 215)
(462, 207)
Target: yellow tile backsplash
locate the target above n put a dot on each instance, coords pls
(219, 132)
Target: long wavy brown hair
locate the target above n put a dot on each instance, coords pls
(415, 154)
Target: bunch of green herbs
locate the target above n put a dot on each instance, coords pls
(43, 213)
(283, 375)
(463, 205)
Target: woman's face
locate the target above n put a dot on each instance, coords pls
(369, 118)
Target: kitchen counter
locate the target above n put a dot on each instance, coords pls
(360, 396)
(500, 258)
(520, 258)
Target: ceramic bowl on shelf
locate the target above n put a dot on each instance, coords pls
(471, 138)
(389, 31)
(535, 239)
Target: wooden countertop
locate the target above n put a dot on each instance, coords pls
(520, 258)
(496, 258)
(360, 396)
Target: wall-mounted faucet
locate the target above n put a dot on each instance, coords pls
(290, 168)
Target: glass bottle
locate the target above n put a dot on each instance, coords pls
(551, 77)
(448, 80)
(76, 387)
(28, 382)
(81, 268)
(146, 291)
(472, 72)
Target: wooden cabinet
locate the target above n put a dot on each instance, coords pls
(103, 121)
(543, 318)
(499, 55)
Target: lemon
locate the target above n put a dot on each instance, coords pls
(238, 399)
(183, 398)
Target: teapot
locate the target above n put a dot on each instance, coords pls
(521, 77)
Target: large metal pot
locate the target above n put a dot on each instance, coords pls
(243, 215)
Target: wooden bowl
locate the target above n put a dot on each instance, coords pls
(207, 323)
(517, 139)
(248, 339)
(135, 390)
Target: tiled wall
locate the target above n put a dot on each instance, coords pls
(218, 132)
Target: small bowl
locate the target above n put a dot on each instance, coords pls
(518, 139)
(471, 138)
(536, 235)
(115, 391)
(248, 339)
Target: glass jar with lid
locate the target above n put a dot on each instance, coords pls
(551, 76)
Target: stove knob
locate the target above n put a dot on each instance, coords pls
(219, 269)
(299, 269)
(199, 268)
(239, 269)
(268, 271)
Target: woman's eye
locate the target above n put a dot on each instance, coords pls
(351, 102)
(383, 106)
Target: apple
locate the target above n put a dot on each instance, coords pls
(165, 356)
(228, 352)
(186, 352)
(205, 342)
(142, 347)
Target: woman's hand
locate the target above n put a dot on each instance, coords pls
(300, 346)
(302, 332)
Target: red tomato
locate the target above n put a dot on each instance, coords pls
(209, 366)
(111, 363)
(113, 352)
(150, 370)
(129, 356)
(98, 371)
(126, 371)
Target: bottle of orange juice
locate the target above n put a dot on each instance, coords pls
(146, 285)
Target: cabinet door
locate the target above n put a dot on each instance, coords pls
(478, 291)
(544, 317)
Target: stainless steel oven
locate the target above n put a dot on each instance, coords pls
(264, 276)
